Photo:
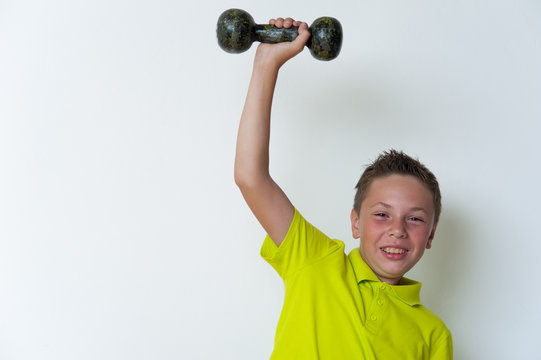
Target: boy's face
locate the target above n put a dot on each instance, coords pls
(395, 225)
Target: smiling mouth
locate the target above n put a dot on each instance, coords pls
(391, 250)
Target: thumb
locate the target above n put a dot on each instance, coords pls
(304, 34)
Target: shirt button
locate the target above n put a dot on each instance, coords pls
(374, 317)
(380, 302)
(382, 286)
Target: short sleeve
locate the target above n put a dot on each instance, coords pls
(302, 246)
(443, 350)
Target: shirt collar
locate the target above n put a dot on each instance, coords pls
(408, 291)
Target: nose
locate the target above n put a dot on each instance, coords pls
(397, 230)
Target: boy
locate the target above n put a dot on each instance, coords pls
(357, 306)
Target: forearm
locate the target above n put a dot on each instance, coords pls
(252, 153)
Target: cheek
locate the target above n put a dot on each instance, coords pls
(372, 229)
(420, 235)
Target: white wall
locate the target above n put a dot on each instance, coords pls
(122, 234)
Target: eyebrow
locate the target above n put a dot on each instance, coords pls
(387, 206)
(381, 204)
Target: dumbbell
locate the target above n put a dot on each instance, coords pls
(236, 31)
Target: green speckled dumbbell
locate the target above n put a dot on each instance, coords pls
(237, 31)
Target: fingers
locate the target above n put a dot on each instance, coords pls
(286, 23)
(280, 22)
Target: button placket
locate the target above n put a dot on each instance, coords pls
(376, 314)
(377, 311)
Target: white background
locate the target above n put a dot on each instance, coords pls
(123, 235)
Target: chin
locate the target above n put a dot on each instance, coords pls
(395, 273)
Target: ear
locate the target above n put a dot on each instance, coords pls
(355, 224)
(432, 233)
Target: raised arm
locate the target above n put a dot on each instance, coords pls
(267, 201)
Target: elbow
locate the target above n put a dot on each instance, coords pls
(241, 178)
(246, 180)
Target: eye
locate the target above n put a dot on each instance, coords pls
(415, 218)
(380, 214)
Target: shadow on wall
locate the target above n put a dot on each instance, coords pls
(442, 271)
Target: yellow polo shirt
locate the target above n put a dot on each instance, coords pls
(336, 308)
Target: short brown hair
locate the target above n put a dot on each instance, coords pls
(396, 162)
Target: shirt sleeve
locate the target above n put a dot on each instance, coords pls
(302, 246)
(443, 350)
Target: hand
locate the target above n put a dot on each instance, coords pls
(278, 54)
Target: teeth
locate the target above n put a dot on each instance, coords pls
(393, 250)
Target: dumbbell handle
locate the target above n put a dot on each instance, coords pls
(271, 34)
